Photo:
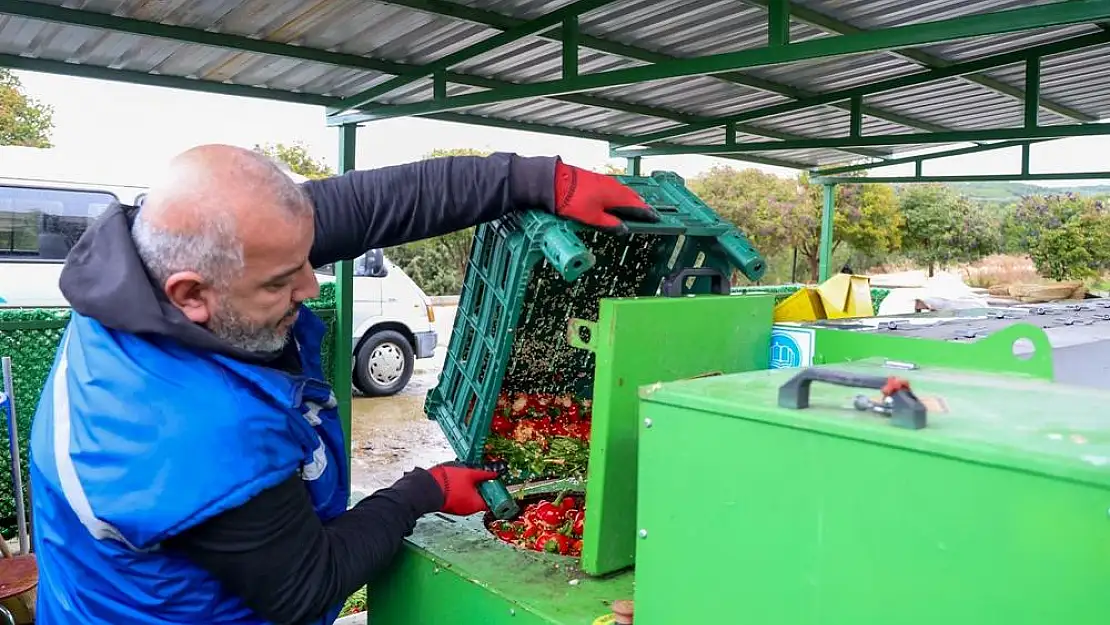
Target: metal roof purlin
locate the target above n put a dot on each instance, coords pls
(1000, 22)
(504, 22)
(1024, 177)
(235, 42)
(829, 24)
(206, 86)
(93, 19)
(890, 84)
(1000, 145)
(53, 13)
(530, 27)
(838, 143)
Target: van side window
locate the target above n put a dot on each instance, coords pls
(39, 224)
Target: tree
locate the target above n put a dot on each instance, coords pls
(942, 227)
(1068, 236)
(23, 120)
(763, 206)
(779, 214)
(438, 264)
(867, 219)
(298, 159)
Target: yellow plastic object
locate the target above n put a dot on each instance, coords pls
(845, 295)
(804, 305)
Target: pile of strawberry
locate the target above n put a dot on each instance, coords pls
(540, 435)
(551, 526)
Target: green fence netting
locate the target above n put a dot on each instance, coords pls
(30, 336)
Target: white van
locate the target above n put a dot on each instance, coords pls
(394, 324)
(40, 220)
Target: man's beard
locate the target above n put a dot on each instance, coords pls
(233, 328)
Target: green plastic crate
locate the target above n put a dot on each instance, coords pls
(530, 273)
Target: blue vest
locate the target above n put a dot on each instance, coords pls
(138, 438)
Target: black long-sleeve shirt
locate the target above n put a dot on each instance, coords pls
(273, 551)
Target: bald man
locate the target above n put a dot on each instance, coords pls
(187, 458)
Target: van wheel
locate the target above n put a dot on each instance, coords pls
(384, 364)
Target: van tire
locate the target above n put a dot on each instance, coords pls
(384, 364)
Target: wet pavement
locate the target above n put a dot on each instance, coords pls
(391, 435)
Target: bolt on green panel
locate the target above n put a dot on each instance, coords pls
(995, 512)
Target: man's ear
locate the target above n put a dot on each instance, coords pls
(191, 294)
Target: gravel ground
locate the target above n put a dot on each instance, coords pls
(391, 435)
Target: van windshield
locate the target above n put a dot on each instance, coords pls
(41, 224)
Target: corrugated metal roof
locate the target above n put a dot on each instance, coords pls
(632, 32)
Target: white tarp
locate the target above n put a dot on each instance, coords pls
(944, 291)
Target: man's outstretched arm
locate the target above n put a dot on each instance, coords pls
(290, 568)
(362, 210)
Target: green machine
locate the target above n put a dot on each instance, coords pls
(902, 479)
(807, 498)
(549, 307)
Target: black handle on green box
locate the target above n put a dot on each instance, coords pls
(906, 410)
(673, 284)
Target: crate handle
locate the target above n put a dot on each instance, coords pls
(906, 411)
(673, 284)
(575, 335)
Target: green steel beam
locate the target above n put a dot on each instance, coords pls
(503, 22)
(204, 86)
(1092, 175)
(71, 16)
(160, 80)
(1000, 22)
(778, 22)
(344, 315)
(474, 120)
(634, 166)
(833, 171)
(824, 247)
(1033, 92)
(840, 143)
(234, 42)
(832, 25)
(890, 84)
(93, 19)
(570, 47)
(531, 27)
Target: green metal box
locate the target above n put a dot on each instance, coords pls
(996, 511)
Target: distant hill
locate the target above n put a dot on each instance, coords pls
(1007, 192)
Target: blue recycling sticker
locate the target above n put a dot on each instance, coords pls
(785, 352)
(791, 348)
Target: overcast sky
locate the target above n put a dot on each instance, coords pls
(117, 133)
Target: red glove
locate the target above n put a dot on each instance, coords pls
(597, 200)
(460, 488)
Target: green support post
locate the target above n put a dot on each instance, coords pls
(1032, 91)
(824, 253)
(633, 168)
(344, 285)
